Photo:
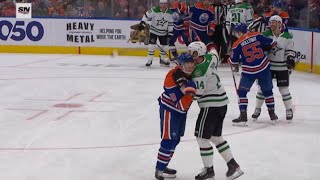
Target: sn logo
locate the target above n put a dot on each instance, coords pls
(24, 10)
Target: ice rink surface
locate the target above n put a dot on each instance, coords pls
(72, 117)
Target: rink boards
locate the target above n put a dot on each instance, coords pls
(110, 37)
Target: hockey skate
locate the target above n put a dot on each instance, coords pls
(241, 120)
(167, 173)
(159, 175)
(234, 170)
(164, 62)
(289, 115)
(273, 116)
(206, 173)
(256, 114)
(149, 62)
(170, 171)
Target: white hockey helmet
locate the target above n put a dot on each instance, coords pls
(275, 18)
(198, 47)
(163, 1)
(238, 1)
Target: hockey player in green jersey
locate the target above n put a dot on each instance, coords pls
(282, 60)
(161, 28)
(212, 100)
(240, 13)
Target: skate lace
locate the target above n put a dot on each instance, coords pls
(289, 112)
(257, 111)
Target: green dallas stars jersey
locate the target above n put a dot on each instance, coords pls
(210, 92)
(161, 22)
(278, 55)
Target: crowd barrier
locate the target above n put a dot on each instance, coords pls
(105, 37)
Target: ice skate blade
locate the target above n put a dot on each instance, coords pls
(274, 122)
(210, 178)
(241, 124)
(237, 174)
(254, 119)
(169, 176)
(164, 65)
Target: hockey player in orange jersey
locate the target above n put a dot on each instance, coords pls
(174, 103)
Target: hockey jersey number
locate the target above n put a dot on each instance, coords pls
(252, 52)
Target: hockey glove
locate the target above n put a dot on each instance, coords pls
(179, 77)
(190, 88)
(235, 68)
(141, 26)
(290, 62)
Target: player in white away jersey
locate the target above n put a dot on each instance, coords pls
(282, 60)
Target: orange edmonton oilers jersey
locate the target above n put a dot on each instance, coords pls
(173, 98)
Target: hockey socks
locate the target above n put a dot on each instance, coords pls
(165, 153)
(270, 102)
(206, 152)
(225, 151)
(223, 147)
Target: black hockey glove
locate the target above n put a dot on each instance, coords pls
(290, 62)
(179, 77)
(141, 26)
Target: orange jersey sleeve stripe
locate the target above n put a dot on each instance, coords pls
(248, 35)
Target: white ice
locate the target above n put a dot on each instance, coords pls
(115, 133)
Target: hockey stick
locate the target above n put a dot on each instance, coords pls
(234, 79)
(169, 55)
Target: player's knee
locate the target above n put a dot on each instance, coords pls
(203, 143)
(242, 93)
(151, 47)
(216, 140)
(164, 47)
(169, 144)
(284, 90)
(267, 93)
